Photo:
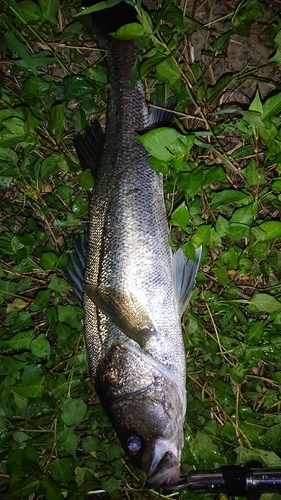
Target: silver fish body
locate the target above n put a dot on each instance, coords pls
(132, 307)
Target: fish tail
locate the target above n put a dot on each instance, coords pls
(121, 54)
(111, 19)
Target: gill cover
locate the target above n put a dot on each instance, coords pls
(147, 411)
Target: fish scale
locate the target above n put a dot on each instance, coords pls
(132, 304)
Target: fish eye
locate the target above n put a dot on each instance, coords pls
(133, 445)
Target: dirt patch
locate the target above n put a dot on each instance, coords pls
(245, 56)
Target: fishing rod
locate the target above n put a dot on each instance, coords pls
(250, 480)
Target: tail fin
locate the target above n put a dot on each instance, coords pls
(110, 19)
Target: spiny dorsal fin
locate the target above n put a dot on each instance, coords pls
(184, 274)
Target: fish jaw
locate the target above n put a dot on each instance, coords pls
(167, 470)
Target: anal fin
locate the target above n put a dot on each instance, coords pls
(89, 146)
(75, 269)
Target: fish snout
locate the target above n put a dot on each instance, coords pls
(166, 472)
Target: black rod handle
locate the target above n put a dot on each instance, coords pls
(237, 481)
(249, 480)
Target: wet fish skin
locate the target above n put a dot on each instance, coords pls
(132, 305)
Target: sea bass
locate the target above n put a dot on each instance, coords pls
(135, 289)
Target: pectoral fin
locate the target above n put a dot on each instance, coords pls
(184, 275)
(125, 312)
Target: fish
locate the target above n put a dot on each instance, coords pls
(135, 289)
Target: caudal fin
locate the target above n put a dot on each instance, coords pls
(111, 19)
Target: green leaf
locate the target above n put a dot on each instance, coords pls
(272, 106)
(38, 60)
(76, 87)
(152, 62)
(222, 226)
(80, 206)
(15, 125)
(61, 470)
(49, 9)
(164, 143)
(42, 299)
(180, 216)
(272, 230)
(237, 373)
(69, 440)
(40, 347)
(214, 174)
(20, 49)
(220, 43)
(238, 231)
(90, 443)
(256, 104)
(262, 302)
(146, 21)
(255, 333)
(171, 14)
(69, 314)
(51, 165)
(27, 11)
(251, 173)
(110, 485)
(21, 340)
(191, 181)
(224, 198)
(214, 93)
(35, 87)
(253, 118)
(48, 260)
(51, 489)
(99, 6)
(58, 284)
(57, 121)
(202, 235)
(168, 72)
(22, 321)
(32, 387)
(86, 180)
(189, 250)
(73, 411)
(24, 488)
(221, 275)
(243, 215)
(276, 185)
(129, 32)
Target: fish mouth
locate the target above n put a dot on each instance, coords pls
(167, 472)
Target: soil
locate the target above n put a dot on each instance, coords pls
(246, 56)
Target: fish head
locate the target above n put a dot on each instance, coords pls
(147, 409)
